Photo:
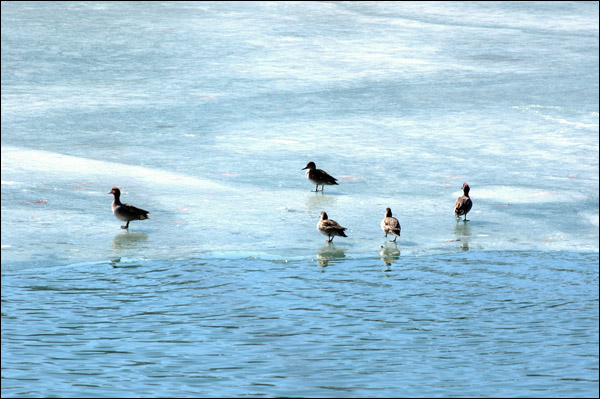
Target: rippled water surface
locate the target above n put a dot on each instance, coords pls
(456, 324)
(204, 114)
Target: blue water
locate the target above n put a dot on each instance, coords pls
(204, 114)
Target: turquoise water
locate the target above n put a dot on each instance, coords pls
(205, 113)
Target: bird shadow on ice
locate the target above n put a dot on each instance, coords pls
(389, 254)
(319, 200)
(329, 253)
(462, 234)
(128, 239)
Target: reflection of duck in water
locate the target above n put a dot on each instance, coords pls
(330, 228)
(463, 204)
(128, 239)
(390, 225)
(320, 201)
(329, 252)
(126, 212)
(389, 254)
(462, 233)
(318, 176)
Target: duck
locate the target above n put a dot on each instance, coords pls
(125, 212)
(390, 225)
(319, 177)
(330, 228)
(463, 204)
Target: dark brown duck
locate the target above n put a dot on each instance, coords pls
(126, 212)
(463, 204)
(319, 177)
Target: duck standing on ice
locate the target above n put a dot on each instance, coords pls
(330, 228)
(319, 177)
(463, 204)
(390, 225)
(126, 212)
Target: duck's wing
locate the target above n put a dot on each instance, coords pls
(325, 177)
(392, 224)
(135, 211)
(333, 228)
(462, 205)
(331, 225)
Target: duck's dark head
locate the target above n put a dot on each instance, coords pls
(311, 165)
(388, 212)
(466, 188)
(115, 191)
(324, 215)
